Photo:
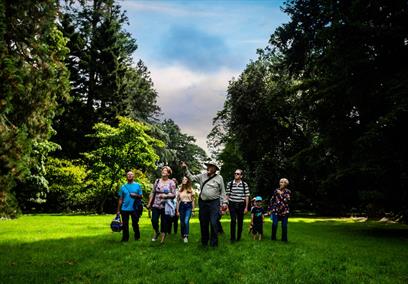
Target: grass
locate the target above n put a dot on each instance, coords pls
(81, 249)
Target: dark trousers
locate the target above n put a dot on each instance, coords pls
(237, 216)
(284, 220)
(172, 221)
(156, 214)
(135, 225)
(209, 212)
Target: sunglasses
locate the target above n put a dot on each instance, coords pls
(238, 174)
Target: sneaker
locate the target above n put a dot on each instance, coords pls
(155, 237)
(185, 240)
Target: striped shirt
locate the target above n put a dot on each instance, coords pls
(237, 192)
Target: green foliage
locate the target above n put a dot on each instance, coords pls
(120, 149)
(325, 105)
(81, 249)
(104, 81)
(32, 79)
(69, 187)
(179, 147)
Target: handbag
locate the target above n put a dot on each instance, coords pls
(116, 224)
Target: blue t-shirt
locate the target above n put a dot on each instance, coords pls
(125, 191)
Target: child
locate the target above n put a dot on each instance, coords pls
(257, 218)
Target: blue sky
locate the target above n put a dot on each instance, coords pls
(194, 48)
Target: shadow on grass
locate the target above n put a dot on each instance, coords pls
(367, 228)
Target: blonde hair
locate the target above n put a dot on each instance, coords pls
(168, 169)
(284, 180)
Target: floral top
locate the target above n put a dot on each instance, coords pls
(168, 188)
(280, 202)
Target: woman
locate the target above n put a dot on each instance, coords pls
(185, 206)
(164, 190)
(279, 209)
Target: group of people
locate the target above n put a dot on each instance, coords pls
(166, 201)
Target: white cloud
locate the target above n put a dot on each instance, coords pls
(191, 98)
(172, 9)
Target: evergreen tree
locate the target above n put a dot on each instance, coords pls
(33, 78)
(104, 81)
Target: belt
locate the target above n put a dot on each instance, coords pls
(208, 201)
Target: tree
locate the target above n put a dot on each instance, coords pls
(104, 81)
(32, 79)
(179, 147)
(351, 57)
(120, 149)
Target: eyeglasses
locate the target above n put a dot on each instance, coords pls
(238, 174)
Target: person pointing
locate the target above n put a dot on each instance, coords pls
(212, 190)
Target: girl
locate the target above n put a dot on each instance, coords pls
(185, 206)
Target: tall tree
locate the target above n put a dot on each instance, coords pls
(351, 57)
(179, 147)
(104, 81)
(33, 78)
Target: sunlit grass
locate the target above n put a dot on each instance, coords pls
(82, 249)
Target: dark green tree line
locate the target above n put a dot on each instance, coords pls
(105, 82)
(326, 105)
(33, 78)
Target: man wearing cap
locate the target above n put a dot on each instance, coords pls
(211, 191)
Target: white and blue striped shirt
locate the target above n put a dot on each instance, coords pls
(237, 192)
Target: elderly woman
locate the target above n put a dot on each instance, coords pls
(164, 191)
(279, 209)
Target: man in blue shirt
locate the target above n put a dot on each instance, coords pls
(128, 194)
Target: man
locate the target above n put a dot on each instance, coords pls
(127, 195)
(238, 198)
(211, 190)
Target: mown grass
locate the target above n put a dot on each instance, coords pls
(81, 249)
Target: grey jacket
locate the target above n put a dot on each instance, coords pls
(214, 189)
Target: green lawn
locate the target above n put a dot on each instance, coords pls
(82, 249)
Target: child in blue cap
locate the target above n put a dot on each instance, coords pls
(257, 218)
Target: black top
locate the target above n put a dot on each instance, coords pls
(258, 213)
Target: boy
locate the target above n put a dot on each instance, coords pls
(257, 218)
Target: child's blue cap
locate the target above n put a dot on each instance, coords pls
(258, 198)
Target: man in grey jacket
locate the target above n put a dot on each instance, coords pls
(211, 190)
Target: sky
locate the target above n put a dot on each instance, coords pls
(194, 48)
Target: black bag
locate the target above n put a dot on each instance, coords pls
(116, 224)
(138, 207)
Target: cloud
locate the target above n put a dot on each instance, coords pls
(191, 98)
(166, 9)
(195, 48)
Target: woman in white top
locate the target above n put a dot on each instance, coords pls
(185, 206)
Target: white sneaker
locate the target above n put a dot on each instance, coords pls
(155, 237)
(185, 240)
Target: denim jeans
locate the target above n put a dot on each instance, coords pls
(284, 220)
(135, 224)
(185, 209)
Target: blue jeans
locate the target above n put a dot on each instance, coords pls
(284, 220)
(185, 209)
